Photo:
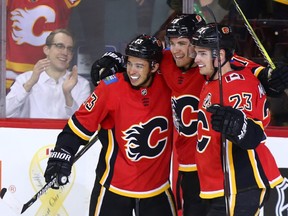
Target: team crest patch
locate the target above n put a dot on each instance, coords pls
(234, 76)
(110, 79)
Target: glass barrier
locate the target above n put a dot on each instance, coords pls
(2, 58)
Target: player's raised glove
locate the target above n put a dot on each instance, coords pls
(109, 64)
(59, 165)
(230, 122)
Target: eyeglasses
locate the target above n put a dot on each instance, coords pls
(62, 47)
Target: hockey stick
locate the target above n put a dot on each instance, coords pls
(257, 41)
(254, 36)
(223, 140)
(15, 204)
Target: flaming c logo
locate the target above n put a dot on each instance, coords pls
(225, 30)
(24, 21)
(140, 142)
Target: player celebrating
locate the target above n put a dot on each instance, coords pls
(183, 78)
(241, 118)
(134, 164)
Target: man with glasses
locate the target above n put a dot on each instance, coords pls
(49, 90)
(28, 25)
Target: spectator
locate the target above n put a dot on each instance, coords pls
(50, 90)
(28, 25)
(132, 109)
(237, 108)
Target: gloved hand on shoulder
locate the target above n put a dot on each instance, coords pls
(59, 166)
(230, 122)
(279, 78)
(109, 64)
(274, 81)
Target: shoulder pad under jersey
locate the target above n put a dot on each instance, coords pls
(110, 79)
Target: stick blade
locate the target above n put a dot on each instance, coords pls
(11, 201)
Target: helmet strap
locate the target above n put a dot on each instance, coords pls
(216, 69)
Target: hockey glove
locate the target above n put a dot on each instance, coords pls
(279, 78)
(230, 122)
(274, 81)
(109, 64)
(59, 165)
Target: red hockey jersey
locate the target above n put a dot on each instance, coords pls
(185, 87)
(247, 168)
(241, 61)
(135, 158)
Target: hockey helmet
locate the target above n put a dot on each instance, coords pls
(145, 47)
(184, 25)
(207, 37)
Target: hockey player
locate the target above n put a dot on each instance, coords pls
(238, 110)
(183, 78)
(134, 164)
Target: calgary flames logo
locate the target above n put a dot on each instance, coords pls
(225, 30)
(146, 140)
(24, 21)
(185, 116)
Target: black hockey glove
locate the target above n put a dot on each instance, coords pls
(109, 64)
(59, 165)
(230, 122)
(274, 81)
(279, 78)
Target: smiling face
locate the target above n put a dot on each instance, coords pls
(204, 61)
(139, 71)
(59, 52)
(181, 50)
